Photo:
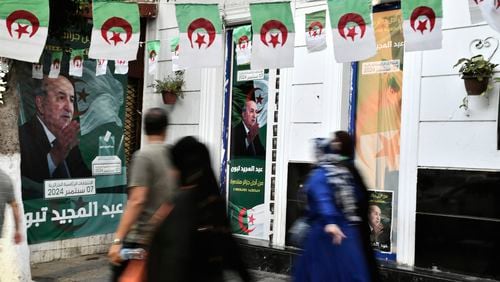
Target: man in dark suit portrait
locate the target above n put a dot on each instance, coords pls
(245, 136)
(379, 236)
(49, 141)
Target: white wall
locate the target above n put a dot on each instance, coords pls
(435, 133)
(448, 138)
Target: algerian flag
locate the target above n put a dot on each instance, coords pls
(174, 49)
(260, 94)
(200, 36)
(23, 29)
(99, 99)
(37, 71)
(101, 67)
(76, 62)
(115, 34)
(153, 48)
(315, 31)
(242, 38)
(422, 22)
(491, 13)
(352, 29)
(55, 64)
(274, 33)
(121, 67)
(475, 12)
(250, 221)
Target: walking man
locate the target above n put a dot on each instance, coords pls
(7, 197)
(150, 185)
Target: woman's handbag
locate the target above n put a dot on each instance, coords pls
(298, 232)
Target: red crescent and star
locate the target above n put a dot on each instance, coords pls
(274, 28)
(116, 22)
(243, 228)
(423, 11)
(315, 29)
(22, 29)
(208, 29)
(357, 19)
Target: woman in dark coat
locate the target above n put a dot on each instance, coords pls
(194, 242)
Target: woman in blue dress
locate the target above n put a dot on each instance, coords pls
(334, 249)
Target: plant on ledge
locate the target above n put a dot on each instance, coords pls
(476, 73)
(170, 87)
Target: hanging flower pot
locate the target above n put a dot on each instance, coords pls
(169, 97)
(474, 86)
(170, 87)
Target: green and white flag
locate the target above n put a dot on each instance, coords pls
(242, 38)
(315, 31)
(121, 66)
(274, 33)
(116, 30)
(23, 29)
(352, 30)
(153, 48)
(55, 64)
(37, 71)
(200, 38)
(422, 22)
(174, 49)
(76, 63)
(101, 66)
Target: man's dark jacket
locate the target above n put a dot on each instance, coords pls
(238, 144)
(34, 149)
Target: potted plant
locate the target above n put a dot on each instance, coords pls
(170, 87)
(476, 73)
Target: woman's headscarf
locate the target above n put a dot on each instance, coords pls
(339, 177)
(192, 159)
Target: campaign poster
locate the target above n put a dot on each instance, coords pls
(72, 144)
(247, 166)
(378, 109)
(380, 205)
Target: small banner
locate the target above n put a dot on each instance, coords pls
(116, 30)
(55, 64)
(153, 48)
(37, 71)
(23, 29)
(101, 67)
(76, 63)
(352, 29)
(174, 49)
(121, 67)
(242, 38)
(315, 31)
(422, 24)
(273, 28)
(200, 37)
(491, 13)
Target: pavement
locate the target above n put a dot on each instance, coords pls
(95, 268)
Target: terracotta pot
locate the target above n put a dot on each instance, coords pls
(473, 86)
(169, 98)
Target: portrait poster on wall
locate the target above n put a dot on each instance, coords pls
(380, 219)
(247, 166)
(72, 145)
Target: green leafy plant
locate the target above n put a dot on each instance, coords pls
(475, 66)
(171, 83)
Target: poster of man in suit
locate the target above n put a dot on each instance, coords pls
(72, 147)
